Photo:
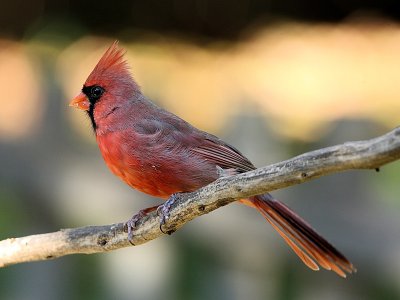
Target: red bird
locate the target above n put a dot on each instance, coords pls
(158, 153)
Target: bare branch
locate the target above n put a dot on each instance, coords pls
(368, 154)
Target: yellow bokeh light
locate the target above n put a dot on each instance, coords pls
(21, 95)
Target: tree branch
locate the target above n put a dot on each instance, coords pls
(368, 154)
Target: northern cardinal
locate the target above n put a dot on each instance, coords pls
(158, 153)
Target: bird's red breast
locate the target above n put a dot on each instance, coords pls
(131, 168)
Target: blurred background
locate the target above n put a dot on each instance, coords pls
(274, 78)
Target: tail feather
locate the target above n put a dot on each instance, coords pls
(306, 231)
(300, 253)
(311, 247)
(321, 258)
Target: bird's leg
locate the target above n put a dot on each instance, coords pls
(163, 210)
(131, 223)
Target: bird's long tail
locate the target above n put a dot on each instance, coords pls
(310, 247)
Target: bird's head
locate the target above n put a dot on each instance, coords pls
(108, 86)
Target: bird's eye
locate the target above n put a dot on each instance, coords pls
(96, 92)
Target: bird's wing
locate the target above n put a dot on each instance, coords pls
(223, 155)
(174, 132)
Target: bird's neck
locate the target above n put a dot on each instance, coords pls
(109, 120)
(120, 115)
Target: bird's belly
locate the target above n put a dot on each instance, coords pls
(153, 173)
(142, 176)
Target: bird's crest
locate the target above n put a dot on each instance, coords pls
(111, 64)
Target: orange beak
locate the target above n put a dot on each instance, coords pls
(80, 101)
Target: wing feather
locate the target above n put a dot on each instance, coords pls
(224, 155)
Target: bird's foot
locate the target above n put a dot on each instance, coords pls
(132, 222)
(164, 211)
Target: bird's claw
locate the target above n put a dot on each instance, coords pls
(163, 211)
(131, 224)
